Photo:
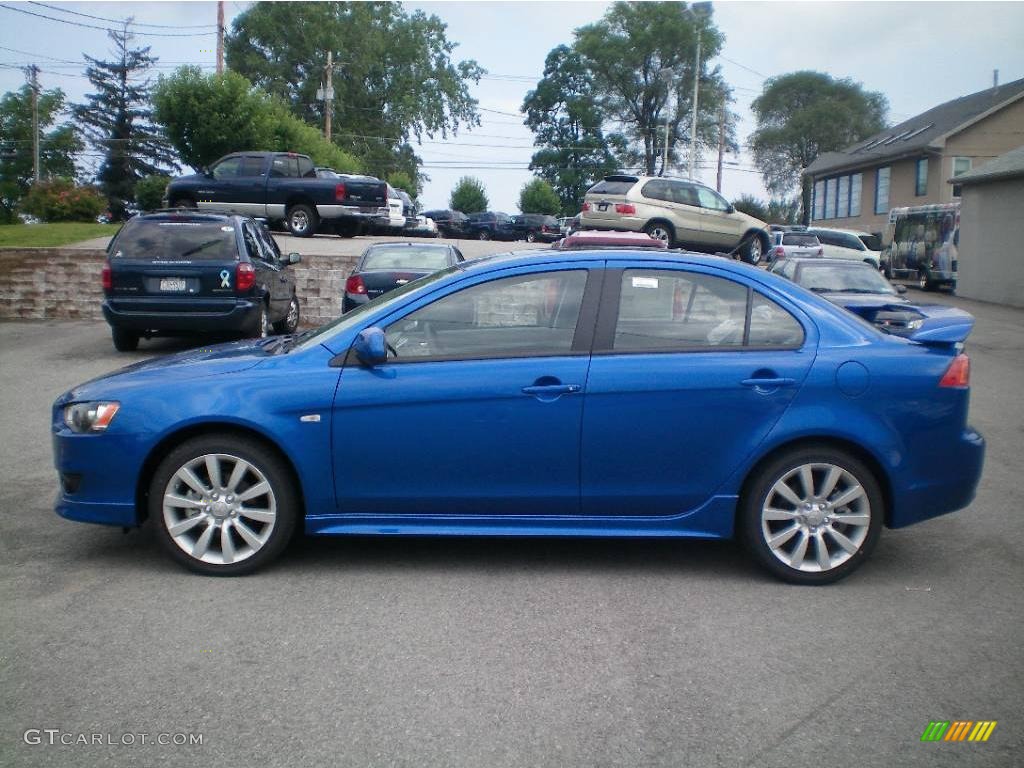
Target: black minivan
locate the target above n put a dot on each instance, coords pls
(183, 272)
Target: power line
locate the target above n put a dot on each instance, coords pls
(105, 29)
(121, 21)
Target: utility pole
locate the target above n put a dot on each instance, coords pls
(220, 37)
(721, 145)
(664, 149)
(329, 95)
(33, 74)
(693, 121)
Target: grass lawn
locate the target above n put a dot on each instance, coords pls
(51, 235)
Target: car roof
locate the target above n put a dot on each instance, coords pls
(633, 178)
(856, 232)
(389, 244)
(187, 214)
(854, 262)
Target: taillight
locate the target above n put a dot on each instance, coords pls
(339, 192)
(355, 285)
(625, 208)
(780, 252)
(245, 276)
(586, 207)
(958, 375)
(108, 279)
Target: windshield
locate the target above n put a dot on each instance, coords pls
(792, 238)
(325, 332)
(836, 278)
(406, 257)
(176, 241)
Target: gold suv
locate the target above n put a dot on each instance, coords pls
(682, 213)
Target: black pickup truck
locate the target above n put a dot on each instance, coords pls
(283, 186)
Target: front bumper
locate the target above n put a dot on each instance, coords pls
(171, 317)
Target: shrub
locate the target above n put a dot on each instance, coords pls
(469, 196)
(149, 191)
(62, 200)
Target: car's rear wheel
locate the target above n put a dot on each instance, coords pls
(923, 282)
(290, 322)
(812, 515)
(531, 237)
(124, 340)
(661, 230)
(223, 505)
(484, 235)
(302, 220)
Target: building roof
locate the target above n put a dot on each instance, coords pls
(1008, 166)
(928, 129)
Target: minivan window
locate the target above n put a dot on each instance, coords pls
(607, 187)
(175, 241)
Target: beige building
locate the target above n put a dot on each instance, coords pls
(909, 163)
(991, 262)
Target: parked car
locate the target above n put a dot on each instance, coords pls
(281, 186)
(584, 393)
(791, 244)
(491, 225)
(678, 211)
(175, 273)
(592, 238)
(386, 266)
(532, 227)
(848, 244)
(393, 221)
(424, 227)
(862, 289)
(453, 224)
(408, 208)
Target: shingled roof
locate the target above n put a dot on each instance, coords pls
(1008, 166)
(926, 130)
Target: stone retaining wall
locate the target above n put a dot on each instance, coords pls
(64, 284)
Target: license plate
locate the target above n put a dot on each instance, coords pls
(368, 209)
(172, 284)
(602, 206)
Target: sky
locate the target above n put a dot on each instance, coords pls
(919, 54)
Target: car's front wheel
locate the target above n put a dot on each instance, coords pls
(484, 234)
(124, 340)
(223, 505)
(812, 515)
(661, 230)
(754, 250)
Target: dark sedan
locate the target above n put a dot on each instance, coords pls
(860, 288)
(386, 266)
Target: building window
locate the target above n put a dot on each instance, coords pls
(960, 165)
(921, 177)
(882, 190)
(856, 182)
(843, 198)
(830, 199)
(819, 200)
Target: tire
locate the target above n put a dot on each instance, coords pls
(753, 252)
(302, 220)
(923, 282)
(483, 234)
(661, 230)
(124, 340)
(260, 327)
(531, 237)
(290, 322)
(184, 202)
(810, 546)
(228, 538)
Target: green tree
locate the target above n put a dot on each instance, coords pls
(402, 180)
(751, 205)
(117, 120)
(784, 210)
(395, 80)
(537, 196)
(207, 116)
(469, 196)
(149, 191)
(641, 60)
(566, 122)
(56, 147)
(804, 114)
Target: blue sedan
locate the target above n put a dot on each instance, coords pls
(588, 393)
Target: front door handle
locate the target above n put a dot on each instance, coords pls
(551, 389)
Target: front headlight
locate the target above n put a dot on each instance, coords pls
(915, 324)
(89, 417)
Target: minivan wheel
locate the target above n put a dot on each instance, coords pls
(290, 322)
(302, 220)
(811, 516)
(124, 340)
(660, 230)
(223, 505)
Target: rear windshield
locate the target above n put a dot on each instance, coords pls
(871, 242)
(607, 187)
(176, 241)
(406, 257)
(799, 238)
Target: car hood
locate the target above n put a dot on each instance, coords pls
(190, 177)
(190, 364)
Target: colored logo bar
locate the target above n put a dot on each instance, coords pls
(959, 730)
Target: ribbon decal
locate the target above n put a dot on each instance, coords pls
(225, 279)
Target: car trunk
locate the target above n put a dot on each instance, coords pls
(147, 286)
(382, 281)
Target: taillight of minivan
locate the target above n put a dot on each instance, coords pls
(245, 277)
(108, 278)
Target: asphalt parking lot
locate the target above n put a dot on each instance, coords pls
(482, 653)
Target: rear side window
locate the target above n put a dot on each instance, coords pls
(799, 238)
(662, 311)
(657, 189)
(284, 166)
(607, 187)
(175, 241)
(306, 170)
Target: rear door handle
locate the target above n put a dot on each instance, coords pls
(768, 383)
(551, 389)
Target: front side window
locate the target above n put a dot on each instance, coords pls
(709, 199)
(228, 169)
(251, 166)
(882, 190)
(921, 177)
(533, 315)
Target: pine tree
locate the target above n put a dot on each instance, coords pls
(117, 121)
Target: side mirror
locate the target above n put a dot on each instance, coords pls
(371, 347)
(293, 258)
(730, 209)
(901, 289)
(206, 172)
